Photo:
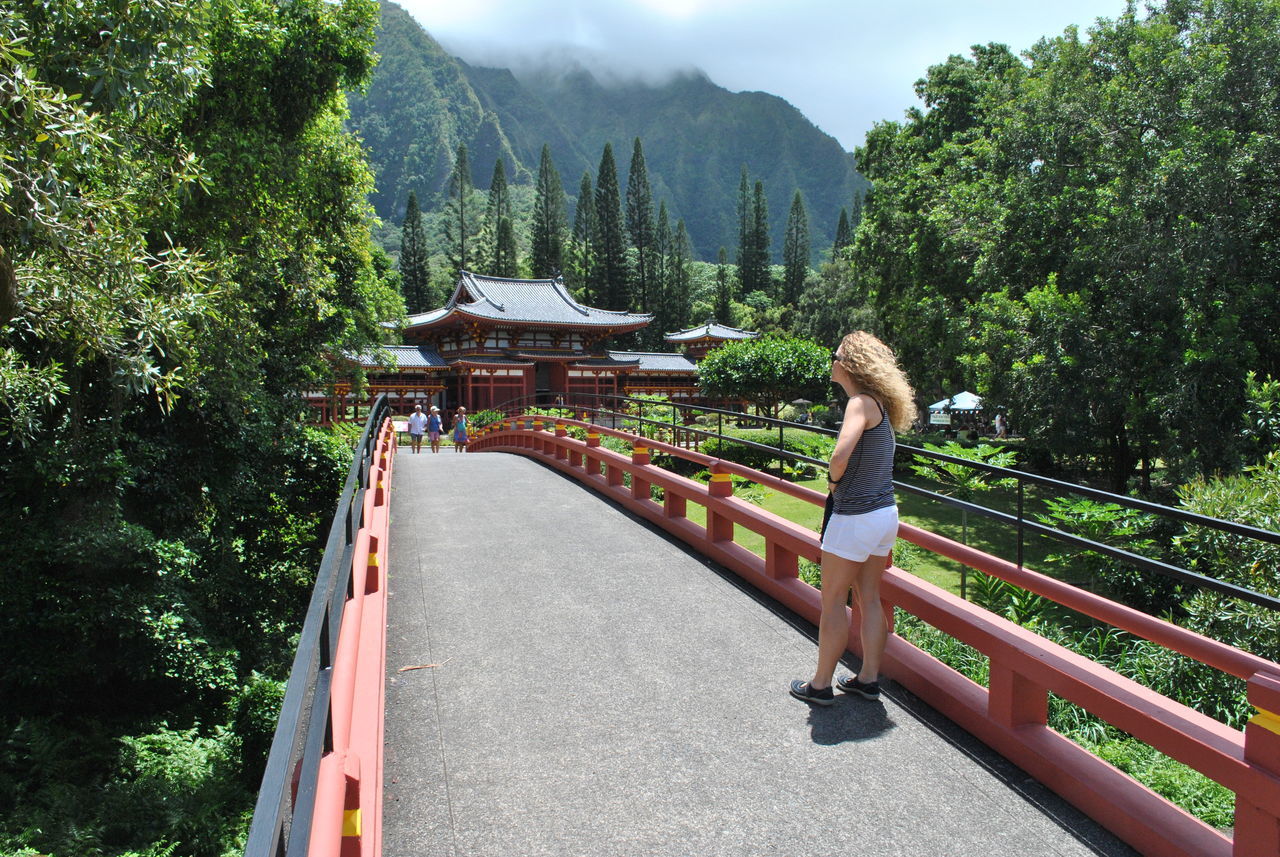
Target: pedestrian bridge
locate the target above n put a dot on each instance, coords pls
(572, 667)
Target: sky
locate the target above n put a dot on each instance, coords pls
(846, 64)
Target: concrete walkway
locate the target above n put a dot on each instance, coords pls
(590, 687)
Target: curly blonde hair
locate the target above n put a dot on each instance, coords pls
(875, 369)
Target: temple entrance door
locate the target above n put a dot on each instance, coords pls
(542, 378)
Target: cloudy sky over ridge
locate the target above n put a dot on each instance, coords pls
(844, 63)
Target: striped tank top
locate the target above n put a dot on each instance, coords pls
(867, 483)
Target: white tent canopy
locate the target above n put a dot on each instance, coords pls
(965, 401)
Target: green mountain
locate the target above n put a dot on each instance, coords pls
(696, 136)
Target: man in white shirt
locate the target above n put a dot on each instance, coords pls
(417, 425)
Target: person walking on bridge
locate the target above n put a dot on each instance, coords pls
(417, 424)
(460, 430)
(435, 426)
(862, 516)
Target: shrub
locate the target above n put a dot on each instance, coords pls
(1111, 524)
(483, 418)
(798, 442)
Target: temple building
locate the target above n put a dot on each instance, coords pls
(497, 339)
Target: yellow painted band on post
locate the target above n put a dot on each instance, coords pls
(640, 450)
(1267, 720)
(373, 560)
(351, 822)
(592, 434)
(721, 477)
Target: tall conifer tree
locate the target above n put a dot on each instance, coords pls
(795, 251)
(415, 265)
(662, 240)
(744, 220)
(753, 266)
(844, 235)
(498, 239)
(548, 220)
(458, 221)
(680, 276)
(724, 289)
(610, 244)
(640, 225)
(582, 254)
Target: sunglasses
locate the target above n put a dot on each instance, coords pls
(835, 357)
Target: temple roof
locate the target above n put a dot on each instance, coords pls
(405, 357)
(489, 360)
(595, 361)
(656, 362)
(524, 301)
(710, 330)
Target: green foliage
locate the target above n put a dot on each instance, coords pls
(1253, 498)
(1080, 233)
(767, 371)
(480, 419)
(795, 441)
(1113, 525)
(189, 254)
(1262, 415)
(959, 480)
(1212, 803)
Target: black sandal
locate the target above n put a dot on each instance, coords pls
(805, 691)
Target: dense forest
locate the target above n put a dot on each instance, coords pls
(1084, 233)
(184, 239)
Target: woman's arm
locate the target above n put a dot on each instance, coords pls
(855, 422)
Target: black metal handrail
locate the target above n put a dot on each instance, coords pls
(282, 824)
(1018, 520)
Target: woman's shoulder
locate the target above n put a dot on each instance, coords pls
(868, 406)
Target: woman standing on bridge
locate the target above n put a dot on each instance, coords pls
(863, 524)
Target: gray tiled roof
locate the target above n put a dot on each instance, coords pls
(657, 362)
(711, 329)
(487, 360)
(531, 301)
(611, 361)
(405, 357)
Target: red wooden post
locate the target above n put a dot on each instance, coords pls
(640, 489)
(780, 563)
(719, 528)
(1012, 700)
(561, 431)
(1257, 831)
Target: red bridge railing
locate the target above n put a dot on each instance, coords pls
(321, 792)
(1011, 715)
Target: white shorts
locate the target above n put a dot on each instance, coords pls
(857, 537)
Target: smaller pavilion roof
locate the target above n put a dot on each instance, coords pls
(710, 330)
(404, 357)
(524, 302)
(965, 401)
(661, 363)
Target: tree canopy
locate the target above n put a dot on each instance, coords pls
(184, 236)
(768, 372)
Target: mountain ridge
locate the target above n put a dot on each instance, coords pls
(696, 136)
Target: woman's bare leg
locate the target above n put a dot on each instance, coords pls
(873, 631)
(838, 575)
